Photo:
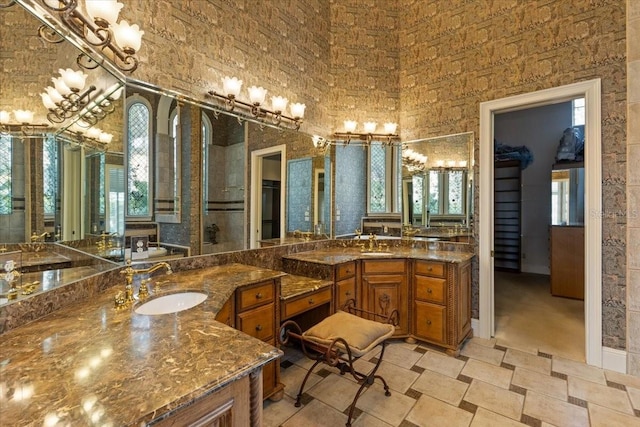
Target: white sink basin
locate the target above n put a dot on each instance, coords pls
(171, 303)
(377, 253)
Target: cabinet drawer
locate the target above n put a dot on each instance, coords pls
(301, 304)
(346, 270)
(258, 323)
(255, 296)
(383, 267)
(430, 268)
(430, 289)
(345, 290)
(430, 321)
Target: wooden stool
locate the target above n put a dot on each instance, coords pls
(341, 339)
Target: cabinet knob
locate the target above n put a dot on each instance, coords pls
(259, 295)
(348, 293)
(428, 322)
(429, 268)
(429, 291)
(348, 271)
(258, 328)
(310, 300)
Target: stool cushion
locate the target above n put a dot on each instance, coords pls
(362, 335)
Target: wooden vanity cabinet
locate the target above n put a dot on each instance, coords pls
(345, 280)
(384, 288)
(252, 310)
(228, 407)
(442, 303)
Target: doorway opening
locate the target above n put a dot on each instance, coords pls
(539, 229)
(268, 184)
(591, 92)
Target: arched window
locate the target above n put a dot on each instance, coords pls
(138, 151)
(6, 167)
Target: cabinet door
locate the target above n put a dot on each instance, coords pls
(345, 290)
(430, 322)
(384, 293)
(259, 322)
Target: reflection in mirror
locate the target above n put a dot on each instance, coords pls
(436, 185)
(45, 193)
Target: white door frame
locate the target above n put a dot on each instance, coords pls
(256, 191)
(593, 205)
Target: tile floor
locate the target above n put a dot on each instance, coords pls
(487, 385)
(529, 318)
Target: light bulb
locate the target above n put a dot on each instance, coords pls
(350, 126)
(257, 94)
(231, 86)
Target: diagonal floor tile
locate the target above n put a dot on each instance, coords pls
(600, 394)
(400, 355)
(554, 411)
(488, 373)
(366, 420)
(441, 387)
(316, 414)
(433, 412)
(480, 352)
(495, 399)
(604, 417)
(335, 391)
(390, 409)
(541, 383)
(441, 363)
(292, 378)
(276, 413)
(578, 369)
(532, 362)
(485, 418)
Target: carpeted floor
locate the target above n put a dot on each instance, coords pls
(529, 318)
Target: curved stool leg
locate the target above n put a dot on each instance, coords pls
(306, 377)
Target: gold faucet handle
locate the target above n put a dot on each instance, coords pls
(143, 291)
(119, 300)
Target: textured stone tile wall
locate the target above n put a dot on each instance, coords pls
(633, 187)
(455, 55)
(282, 45)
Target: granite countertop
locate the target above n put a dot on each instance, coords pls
(292, 285)
(91, 364)
(332, 256)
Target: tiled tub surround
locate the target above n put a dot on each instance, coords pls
(91, 360)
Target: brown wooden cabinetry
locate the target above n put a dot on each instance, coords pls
(345, 279)
(567, 261)
(442, 303)
(227, 407)
(255, 315)
(384, 289)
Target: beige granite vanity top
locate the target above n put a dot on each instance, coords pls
(332, 256)
(92, 365)
(292, 285)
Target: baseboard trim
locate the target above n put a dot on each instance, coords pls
(475, 325)
(614, 359)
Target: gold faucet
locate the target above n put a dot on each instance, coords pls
(39, 237)
(124, 298)
(373, 242)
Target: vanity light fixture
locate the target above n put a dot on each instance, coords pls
(23, 122)
(66, 97)
(118, 40)
(389, 136)
(414, 161)
(231, 88)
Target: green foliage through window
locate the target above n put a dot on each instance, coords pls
(6, 160)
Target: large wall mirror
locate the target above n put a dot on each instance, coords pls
(56, 179)
(437, 185)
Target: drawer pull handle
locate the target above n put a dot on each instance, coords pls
(429, 291)
(429, 269)
(310, 300)
(428, 322)
(258, 328)
(348, 271)
(259, 295)
(348, 293)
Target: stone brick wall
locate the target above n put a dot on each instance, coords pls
(633, 187)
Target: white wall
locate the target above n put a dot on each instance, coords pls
(540, 130)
